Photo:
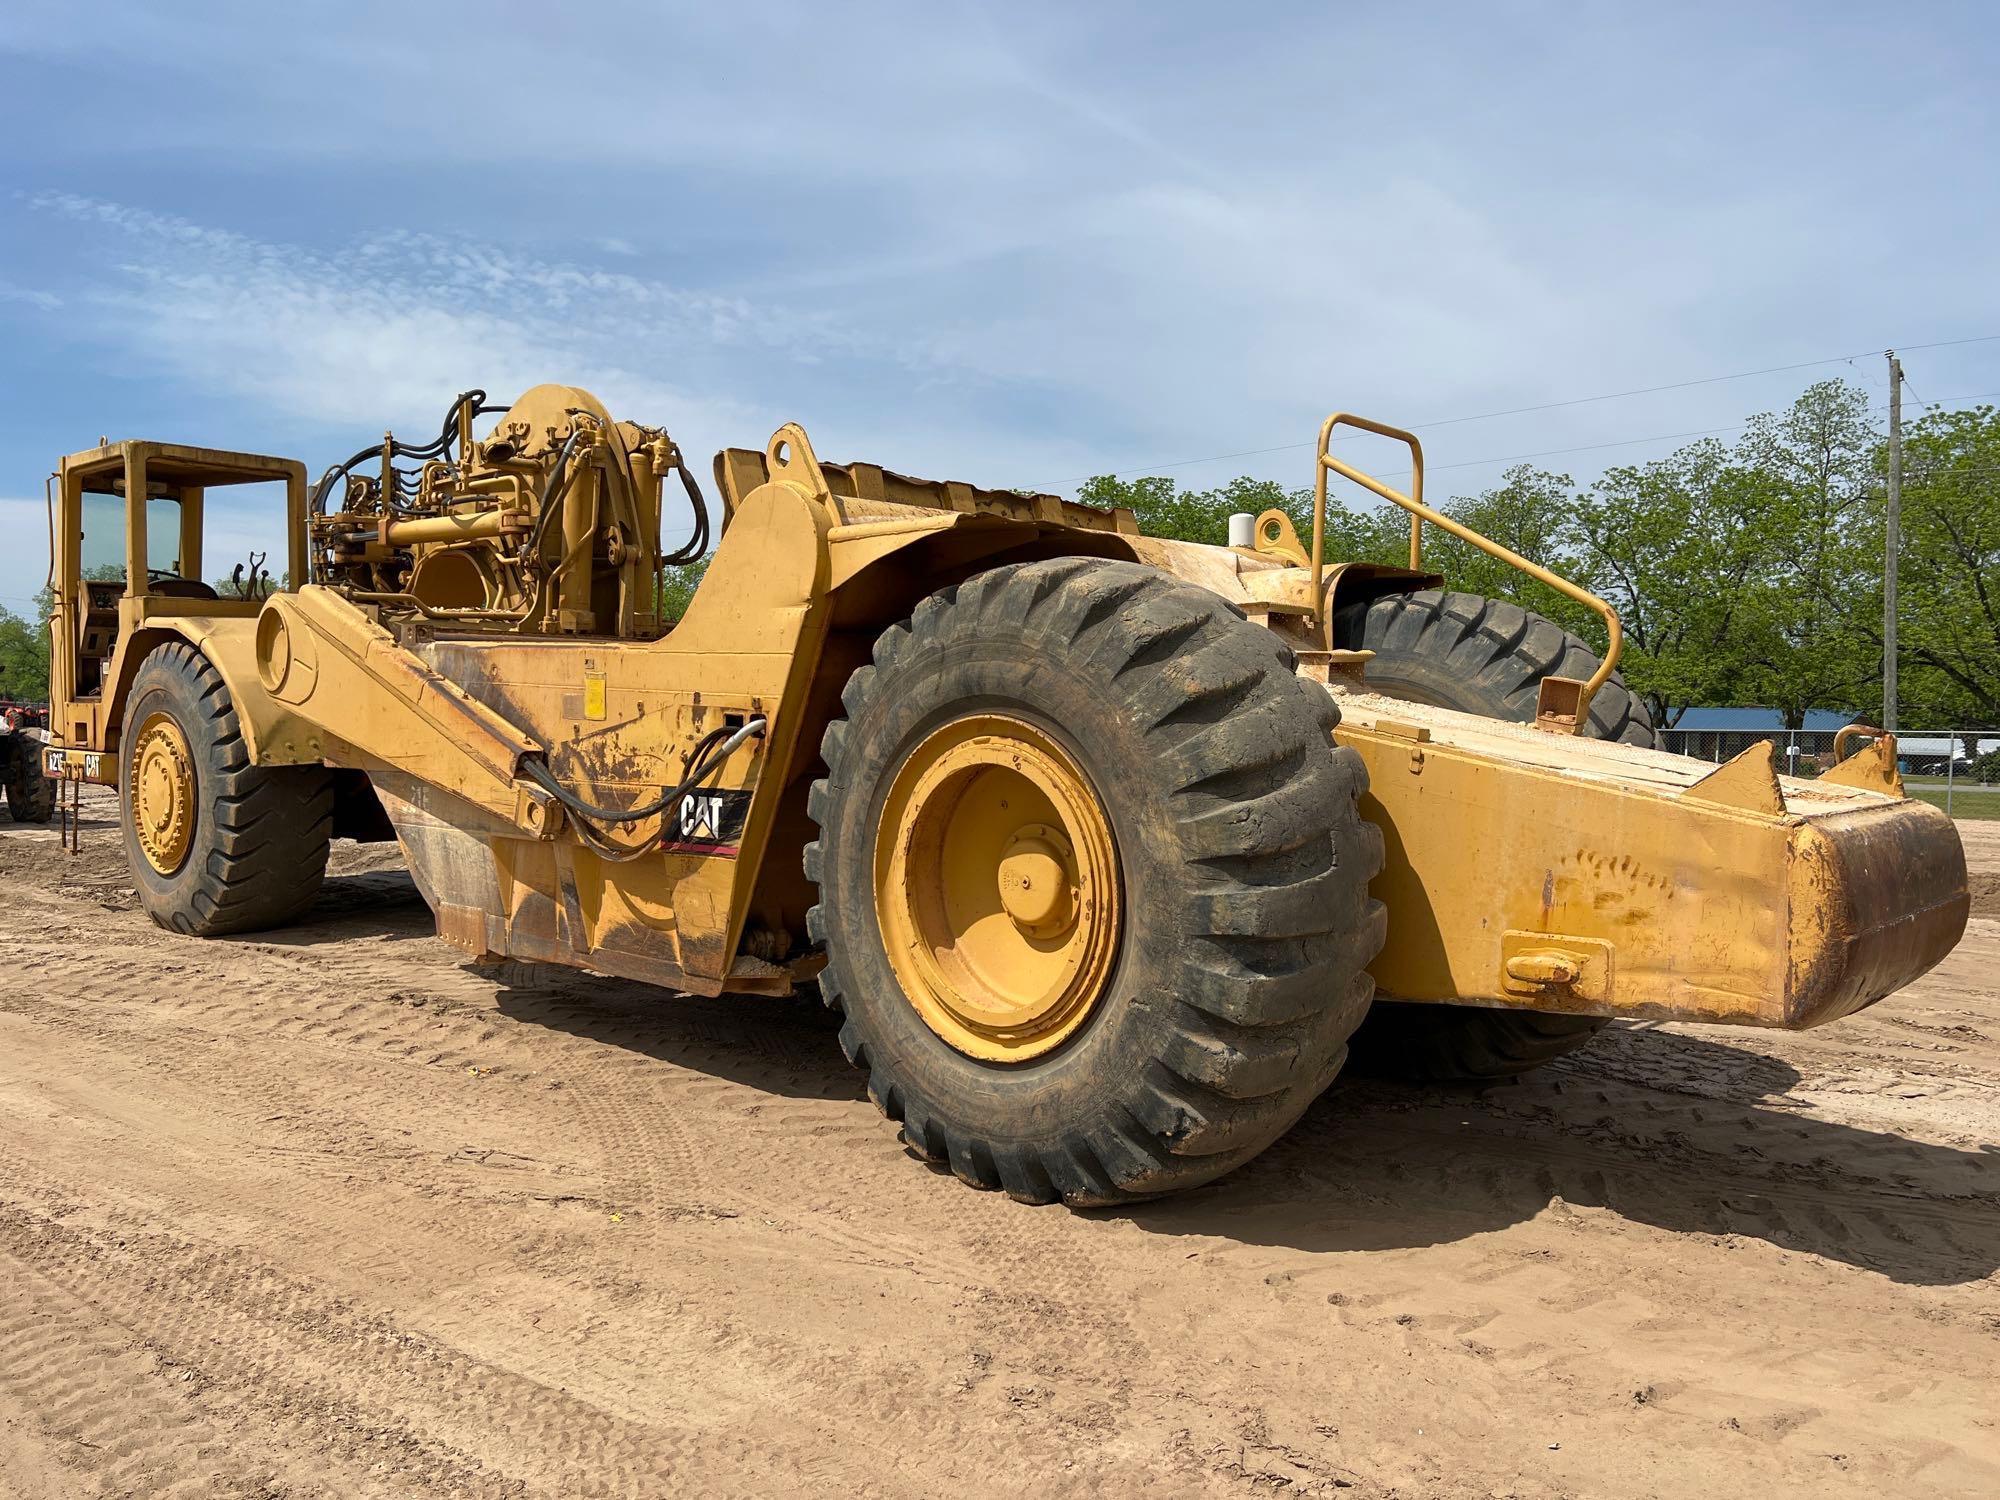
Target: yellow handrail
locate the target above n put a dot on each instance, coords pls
(1853, 731)
(1420, 513)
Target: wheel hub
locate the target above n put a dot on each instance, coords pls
(1038, 880)
(996, 883)
(163, 793)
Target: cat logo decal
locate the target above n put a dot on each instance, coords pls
(707, 822)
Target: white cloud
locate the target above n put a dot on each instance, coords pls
(383, 330)
(388, 328)
(33, 296)
(1018, 247)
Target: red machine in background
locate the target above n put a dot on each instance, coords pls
(24, 729)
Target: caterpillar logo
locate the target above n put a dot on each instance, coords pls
(707, 822)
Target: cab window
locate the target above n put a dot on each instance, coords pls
(103, 551)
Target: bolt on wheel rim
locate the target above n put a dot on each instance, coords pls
(162, 793)
(996, 883)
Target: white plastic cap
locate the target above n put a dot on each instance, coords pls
(1242, 529)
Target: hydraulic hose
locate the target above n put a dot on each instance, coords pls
(697, 544)
(709, 752)
(436, 448)
(546, 507)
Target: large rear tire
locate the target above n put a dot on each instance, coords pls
(1208, 882)
(216, 845)
(1479, 656)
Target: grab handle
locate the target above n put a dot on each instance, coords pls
(1559, 710)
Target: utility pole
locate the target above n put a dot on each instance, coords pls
(1892, 542)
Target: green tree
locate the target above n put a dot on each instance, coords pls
(1815, 480)
(24, 659)
(1530, 512)
(677, 586)
(1949, 624)
(1163, 509)
(1674, 546)
(1743, 574)
(1158, 504)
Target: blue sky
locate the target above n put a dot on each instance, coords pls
(1012, 244)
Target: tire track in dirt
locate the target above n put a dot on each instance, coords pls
(601, 1050)
(1038, 1304)
(360, 1384)
(1418, 1291)
(1445, 1174)
(1874, 1198)
(109, 1404)
(613, 1092)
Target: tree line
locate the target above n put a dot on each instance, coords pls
(1745, 573)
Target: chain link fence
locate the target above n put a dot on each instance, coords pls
(1955, 769)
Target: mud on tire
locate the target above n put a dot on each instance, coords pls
(1480, 656)
(1243, 863)
(258, 847)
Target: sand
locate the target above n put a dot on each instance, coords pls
(331, 1212)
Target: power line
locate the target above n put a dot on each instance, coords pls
(1511, 458)
(1663, 437)
(1521, 411)
(1929, 406)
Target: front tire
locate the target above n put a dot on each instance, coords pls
(1487, 657)
(216, 845)
(1064, 694)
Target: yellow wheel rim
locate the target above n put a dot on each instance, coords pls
(162, 793)
(996, 883)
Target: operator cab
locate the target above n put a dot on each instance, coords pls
(101, 553)
(129, 535)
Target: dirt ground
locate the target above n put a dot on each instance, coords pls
(333, 1213)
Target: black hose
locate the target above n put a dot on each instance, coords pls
(709, 752)
(403, 484)
(546, 510)
(436, 448)
(338, 471)
(696, 545)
